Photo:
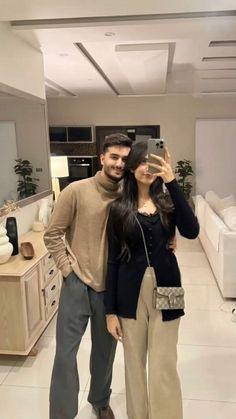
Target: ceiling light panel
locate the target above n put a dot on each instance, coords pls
(210, 59)
(144, 66)
(229, 43)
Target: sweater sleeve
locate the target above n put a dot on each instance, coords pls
(61, 219)
(112, 269)
(185, 219)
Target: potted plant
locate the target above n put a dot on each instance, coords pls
(27, 185)
(184, 169)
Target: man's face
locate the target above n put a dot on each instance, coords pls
(113, 162)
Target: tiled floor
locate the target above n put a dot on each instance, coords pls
(207, 356)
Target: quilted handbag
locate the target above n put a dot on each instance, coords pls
(168, 298)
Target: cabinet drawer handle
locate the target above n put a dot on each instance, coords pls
(51, 271)
(53, 287)
(53, 303)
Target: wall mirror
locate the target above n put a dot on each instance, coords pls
(23, 134)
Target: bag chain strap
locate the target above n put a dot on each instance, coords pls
(146, 251)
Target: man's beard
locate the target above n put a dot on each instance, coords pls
(114, 178)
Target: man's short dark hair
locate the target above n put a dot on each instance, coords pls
(116, 139)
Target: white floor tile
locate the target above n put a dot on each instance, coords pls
(207, 327)
(192, 259)
(6, 364)
(194, 409)
(187, 245)
(197, 275)
(202, 297)
(207, 373)
(36, 371)
(23, 403)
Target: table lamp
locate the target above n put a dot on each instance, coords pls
(59, 168)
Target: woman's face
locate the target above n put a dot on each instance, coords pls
(141, 173)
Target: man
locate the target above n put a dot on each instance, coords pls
(81, 215)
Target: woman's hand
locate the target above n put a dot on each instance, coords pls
(163, 166)
(114, 326)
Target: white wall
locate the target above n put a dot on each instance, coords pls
(21, 65)
(216, 156)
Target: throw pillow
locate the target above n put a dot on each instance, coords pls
(229, 217)
(219, 204)
(229, 201)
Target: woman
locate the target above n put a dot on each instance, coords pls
(145, 331)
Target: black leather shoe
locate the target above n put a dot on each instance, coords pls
(104, 412)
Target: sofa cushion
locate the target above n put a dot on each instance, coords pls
(213, 226)
(228, 201)
(219, 204)
(200, 207)
(229, 217)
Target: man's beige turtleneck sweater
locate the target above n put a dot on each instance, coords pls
(80, 216)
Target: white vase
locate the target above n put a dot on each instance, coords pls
(6, 247)
(44, 212)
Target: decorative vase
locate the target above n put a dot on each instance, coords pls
(11, 227)
(6, 247)
(43, 216)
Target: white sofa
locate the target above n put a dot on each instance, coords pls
(219, 243)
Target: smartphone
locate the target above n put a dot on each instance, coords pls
(155, 146)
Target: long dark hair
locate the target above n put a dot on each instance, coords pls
(124, 209)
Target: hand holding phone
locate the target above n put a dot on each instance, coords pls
(160, 159)
(155, 146)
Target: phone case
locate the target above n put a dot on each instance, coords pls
(155, 146)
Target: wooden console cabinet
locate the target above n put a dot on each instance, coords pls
(29, 294)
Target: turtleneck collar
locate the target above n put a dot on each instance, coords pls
(107, 184)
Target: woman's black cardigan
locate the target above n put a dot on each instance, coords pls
(124, 278)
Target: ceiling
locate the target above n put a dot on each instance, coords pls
(134, 48)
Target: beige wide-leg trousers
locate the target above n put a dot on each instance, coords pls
(155, 394)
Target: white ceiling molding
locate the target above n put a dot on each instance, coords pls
(56, 89)
(144, 66)
(222, 58)
(228, 43)
(96, 20)
(99, 70)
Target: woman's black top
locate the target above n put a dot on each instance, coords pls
(124, 277)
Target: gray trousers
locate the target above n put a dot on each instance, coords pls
(77, 304)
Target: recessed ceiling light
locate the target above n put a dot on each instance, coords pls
(109, 33)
